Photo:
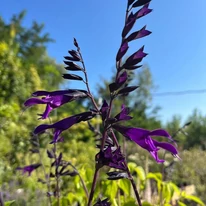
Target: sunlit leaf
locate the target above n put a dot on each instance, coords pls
(125, 185)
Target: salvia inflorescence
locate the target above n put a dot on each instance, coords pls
(110, 153)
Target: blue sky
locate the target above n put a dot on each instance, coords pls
(177, 46)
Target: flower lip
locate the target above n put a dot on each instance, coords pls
(142, 137)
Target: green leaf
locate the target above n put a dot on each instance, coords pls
(124, 184)
(8, 203)
(181, 204)
(71, 197)
(141, 173)
(155, 176)
(166, 192)
(63, 202)
(146, 204)
(174, 189)
(130, 202)
(110, 189)
(195, 199)
(132, 166)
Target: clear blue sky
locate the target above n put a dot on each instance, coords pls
(177, 46)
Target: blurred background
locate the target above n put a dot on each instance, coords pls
(34, 38)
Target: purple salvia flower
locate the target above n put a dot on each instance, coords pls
(104, 110)
(136, 57)
(122, 50)
(63, 124)
(139, 34)
(54, 99)
(143, 138)
(123, 115)
(129, 24)
(143, 11)
(29, 168)
(121, 79)
(112, 157)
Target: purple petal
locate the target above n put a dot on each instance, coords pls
(65, 123)
(149, 145)
(166, 146)
(59, 100)
(46, 112)
(41, 128)
(122, 78)
(138, 34)
(34, 101)
(160, 132)
(136, 57)
(122, 51)
(143, 11)
(124, 114)
(129, 24)
(155, 156)
(132, 133)
(29, 168)
(104, 109)
(53, 93)
(127, 90)
(56, 135)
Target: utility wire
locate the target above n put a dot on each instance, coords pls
(185, 92)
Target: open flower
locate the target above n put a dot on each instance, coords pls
(143, 138)
(63, 124)
(29, 168)
(54, 99)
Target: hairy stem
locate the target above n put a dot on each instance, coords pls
(96, 174)
(133, 186)
(86, 80)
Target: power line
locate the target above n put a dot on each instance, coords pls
(185, 92)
